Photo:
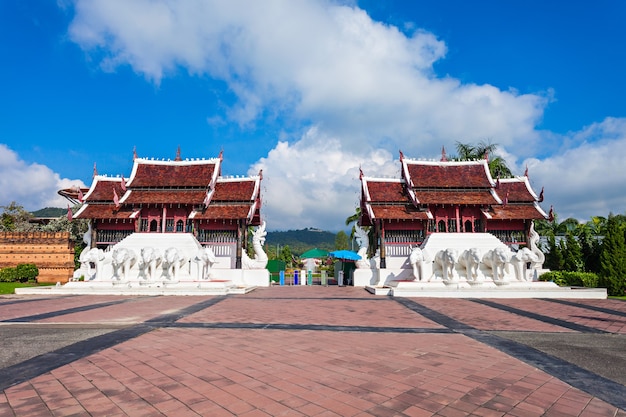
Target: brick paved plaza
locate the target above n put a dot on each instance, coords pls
(310, 351)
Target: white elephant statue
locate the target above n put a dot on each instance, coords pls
(149, 260)
(520, 260)
(498, 261)
(470, 260)
(446, 260)
(206, 258)
(93, 257)
(417, 259)
(122, 260)
(171, 263)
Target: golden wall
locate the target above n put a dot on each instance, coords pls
(53, 253)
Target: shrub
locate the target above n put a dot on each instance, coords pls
(571, 279)
(8, 274)
(27, 272)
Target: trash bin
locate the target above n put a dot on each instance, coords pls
(340, 279)
(310, 278)
(281, 278)
(295, 277)
(323, 278)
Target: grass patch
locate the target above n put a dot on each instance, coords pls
(9, 287)
(622, 297)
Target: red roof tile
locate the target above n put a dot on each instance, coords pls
(103, 211)
(448, 174)
(462, 197)
(238, 190)
(386, 191)
(172, 173)
(187, 197)
(230, 211)
(102, 189)
(517, 191)
(516, 212)
(406, 212)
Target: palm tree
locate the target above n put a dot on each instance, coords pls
(497, 165)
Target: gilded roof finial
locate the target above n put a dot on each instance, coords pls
(178, 158)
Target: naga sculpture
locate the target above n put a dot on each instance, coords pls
(206, 258)
(470, 260)
(497, 260)
(446, 259)
(122, 260)
(363, 241)
(533, 256)
(260, 257)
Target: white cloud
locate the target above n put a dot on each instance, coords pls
(361, 89)
(32, 186)
(315, 182)
(589, 178)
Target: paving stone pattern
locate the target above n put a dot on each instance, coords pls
(306, 351)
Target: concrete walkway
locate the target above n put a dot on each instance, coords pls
(310, 351)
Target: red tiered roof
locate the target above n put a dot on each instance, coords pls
(427, 184)
(102, 189)
(103, 211)
(242, 189)
(390, 191)
(517, 189)
(466, 174)
(149, 173)
(482, 197)
(164, 197)
(517, 212)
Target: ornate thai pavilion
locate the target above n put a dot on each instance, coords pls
(172, 196)
(446, 196)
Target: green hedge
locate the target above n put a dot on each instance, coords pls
(20, 273)
(571, 279)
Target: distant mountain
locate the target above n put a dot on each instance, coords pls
(300, 241)
(49, 212)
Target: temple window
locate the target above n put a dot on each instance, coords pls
(189, 228)
(169, 225)
(441, 226)
(451, 225)
(154, 226)
(179, 226)
(468, 226)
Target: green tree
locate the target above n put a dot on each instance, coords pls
(15, 219)
(554, 256)
(613, 256)
(572, 254)
(341, 240)
(286, 256)
(497, 165)
(352, 221)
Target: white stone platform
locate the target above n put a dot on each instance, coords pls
(100, 275)
(398, 279)
(513, 290)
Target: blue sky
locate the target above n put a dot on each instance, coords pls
(309, 91)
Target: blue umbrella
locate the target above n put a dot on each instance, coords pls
(346, 255)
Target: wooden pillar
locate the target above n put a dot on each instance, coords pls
(458, 220)
(163, 219)
(383, 259)
(94, 234)
(239, 245)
